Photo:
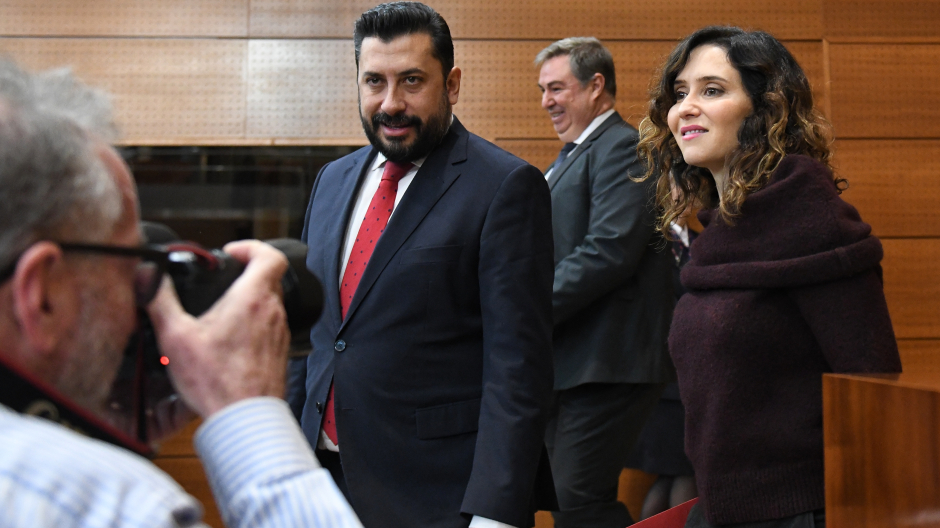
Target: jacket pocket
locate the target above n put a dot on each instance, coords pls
(448, 419)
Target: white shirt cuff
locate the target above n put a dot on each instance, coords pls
(483, 522)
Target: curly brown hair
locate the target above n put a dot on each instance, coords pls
(783, 122)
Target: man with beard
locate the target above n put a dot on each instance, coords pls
(73, 273)
(431, 370)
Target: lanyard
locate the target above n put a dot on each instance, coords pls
(26, 395)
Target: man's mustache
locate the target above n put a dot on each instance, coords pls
(400, 120)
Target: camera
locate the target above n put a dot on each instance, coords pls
(201, 276)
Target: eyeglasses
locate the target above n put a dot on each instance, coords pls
(147, 276)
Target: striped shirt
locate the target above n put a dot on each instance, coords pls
(259, 464)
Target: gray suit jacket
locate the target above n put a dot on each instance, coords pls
(612, 294)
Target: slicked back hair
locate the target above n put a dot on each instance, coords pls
(395, 19)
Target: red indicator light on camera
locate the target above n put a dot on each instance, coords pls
(164, 360)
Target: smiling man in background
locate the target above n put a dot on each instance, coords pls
(612, 291)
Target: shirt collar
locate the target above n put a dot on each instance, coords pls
(593, 126)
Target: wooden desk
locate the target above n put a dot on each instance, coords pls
(882, 449)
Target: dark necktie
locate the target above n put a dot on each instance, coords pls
(565, 150)
(373, 225)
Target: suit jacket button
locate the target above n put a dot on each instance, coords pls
(339, 346)
(319, 407)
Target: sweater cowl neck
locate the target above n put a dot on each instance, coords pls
(795, 231)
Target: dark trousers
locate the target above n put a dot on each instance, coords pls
(811, 519)
(591, 429)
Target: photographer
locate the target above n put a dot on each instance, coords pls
(71, 277)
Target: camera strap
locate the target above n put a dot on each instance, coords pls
(27, 395)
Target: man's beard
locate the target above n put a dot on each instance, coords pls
(97, 352)
(428, 135)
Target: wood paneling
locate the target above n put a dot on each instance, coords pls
(893, 183)
(881, 456)
(303, 89)
(538, 152)
(920, 355)
(162, 88)
(550, 19)
(912, 286)
(306, 18)
(168, 18)
(904, 20)
(885, 90)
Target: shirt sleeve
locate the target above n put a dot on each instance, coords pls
(263, 472)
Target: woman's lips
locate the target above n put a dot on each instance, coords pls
(691, 132)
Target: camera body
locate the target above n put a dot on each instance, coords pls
(201, 276)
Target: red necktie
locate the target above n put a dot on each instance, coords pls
(373, 224)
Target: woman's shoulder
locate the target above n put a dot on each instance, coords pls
(797, 169)
(797, 229)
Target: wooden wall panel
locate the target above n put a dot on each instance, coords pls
(538, 152)
(165, 90)
(912, 286)
(895, 184)
(885, 90)
(920, 355)
(903, 20)
(168, 18)
(306, 18)
(550, 19)
(303, 89)
(810, 57)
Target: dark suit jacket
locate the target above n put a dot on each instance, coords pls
(613, 294)
(442, 366)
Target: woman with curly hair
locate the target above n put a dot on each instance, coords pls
(783, 284)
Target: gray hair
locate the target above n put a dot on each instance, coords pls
(586, 56)
(53, 185)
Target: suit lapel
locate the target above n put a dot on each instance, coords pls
(348, 192)
(557, 173)
(435, 176)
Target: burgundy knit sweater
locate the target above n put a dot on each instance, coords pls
(791, 291)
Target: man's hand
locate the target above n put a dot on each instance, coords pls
(238, 348)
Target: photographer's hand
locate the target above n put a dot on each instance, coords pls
(238, 348)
